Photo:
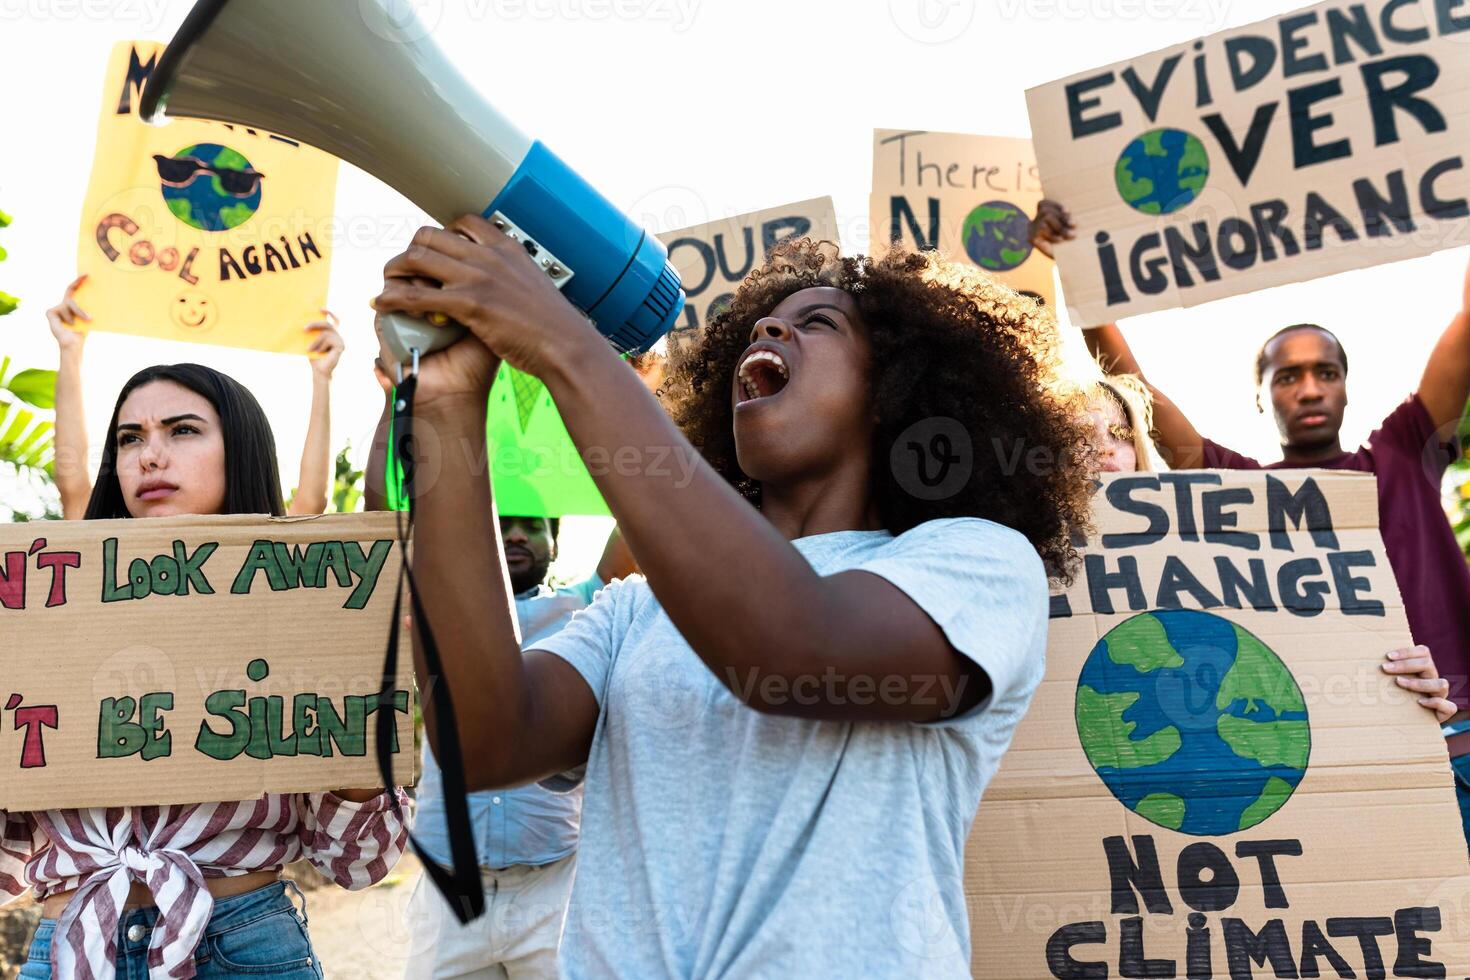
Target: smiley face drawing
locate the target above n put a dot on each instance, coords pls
(194, 311)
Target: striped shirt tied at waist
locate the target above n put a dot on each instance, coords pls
(172, 851)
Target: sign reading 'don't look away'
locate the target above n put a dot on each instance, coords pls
(1319, 141)
(971, 197)
(189, 660)
(713, 258)
(1216, 779)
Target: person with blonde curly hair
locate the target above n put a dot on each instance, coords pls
(783, 732)
(1121, 413)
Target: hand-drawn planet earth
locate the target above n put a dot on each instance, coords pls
(1192, 722)
(997, 236)
(203, 202)
(1162, 171)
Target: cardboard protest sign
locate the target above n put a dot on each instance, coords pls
(201, 231)
(972, 197)
(1216, 779)
(1324, 140)
(713, 258)
(188, 660)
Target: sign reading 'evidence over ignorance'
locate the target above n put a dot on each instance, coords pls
(196, 659)
(1320, 141)
(1216, 779)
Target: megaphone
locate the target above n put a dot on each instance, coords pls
(361, 80)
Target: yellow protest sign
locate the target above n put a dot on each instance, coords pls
(971, 197)
(201, 231)
(195, 659)
(1216, 778)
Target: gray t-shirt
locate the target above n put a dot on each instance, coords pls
(718, 841)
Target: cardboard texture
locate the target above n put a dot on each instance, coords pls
(1214, 783)
(225, 240)
(188, 660)
(971, 197)
(1320, 141)
(713, 258)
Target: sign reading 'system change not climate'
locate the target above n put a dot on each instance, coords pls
(1324, 140)
(195, 659)
(1216, 779)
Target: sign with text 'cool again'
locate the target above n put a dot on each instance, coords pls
(189, 660)
(1216, 779)
(202, 231)
(1324, 140)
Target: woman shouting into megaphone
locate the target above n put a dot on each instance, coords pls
(786, 729)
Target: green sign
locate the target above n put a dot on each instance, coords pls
(536, 470)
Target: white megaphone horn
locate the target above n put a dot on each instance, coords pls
(361, 81)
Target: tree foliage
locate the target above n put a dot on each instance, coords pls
(346, 484)
(27, 435)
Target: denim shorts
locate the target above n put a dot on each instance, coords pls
(259, 934)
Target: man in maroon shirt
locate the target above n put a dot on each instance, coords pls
(1302, 372)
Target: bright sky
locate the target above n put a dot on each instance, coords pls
(682, 111)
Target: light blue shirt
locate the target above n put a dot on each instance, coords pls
(718, 841)
(528, 825)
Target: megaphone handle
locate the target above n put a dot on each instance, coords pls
(403, 335)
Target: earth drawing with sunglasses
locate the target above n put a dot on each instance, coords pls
(209, 186)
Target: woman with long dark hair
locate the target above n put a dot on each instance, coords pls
(73, 477)
(183, 891)
(786, 729)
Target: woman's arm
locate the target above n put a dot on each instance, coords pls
(776, 617)
(315, 484)
(617, 560)
(1446, 381)
(375, 476)
(73, 475)
(521, 717)
(537, 717)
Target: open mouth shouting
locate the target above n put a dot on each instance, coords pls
(763, 374)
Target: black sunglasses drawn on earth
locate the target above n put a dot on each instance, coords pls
(179, 171)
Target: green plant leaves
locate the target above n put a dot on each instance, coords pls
(8, 303)
(34, 387)
(26, 439)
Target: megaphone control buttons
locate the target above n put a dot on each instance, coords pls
(559, 273)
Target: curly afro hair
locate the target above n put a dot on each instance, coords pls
(948, 343)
